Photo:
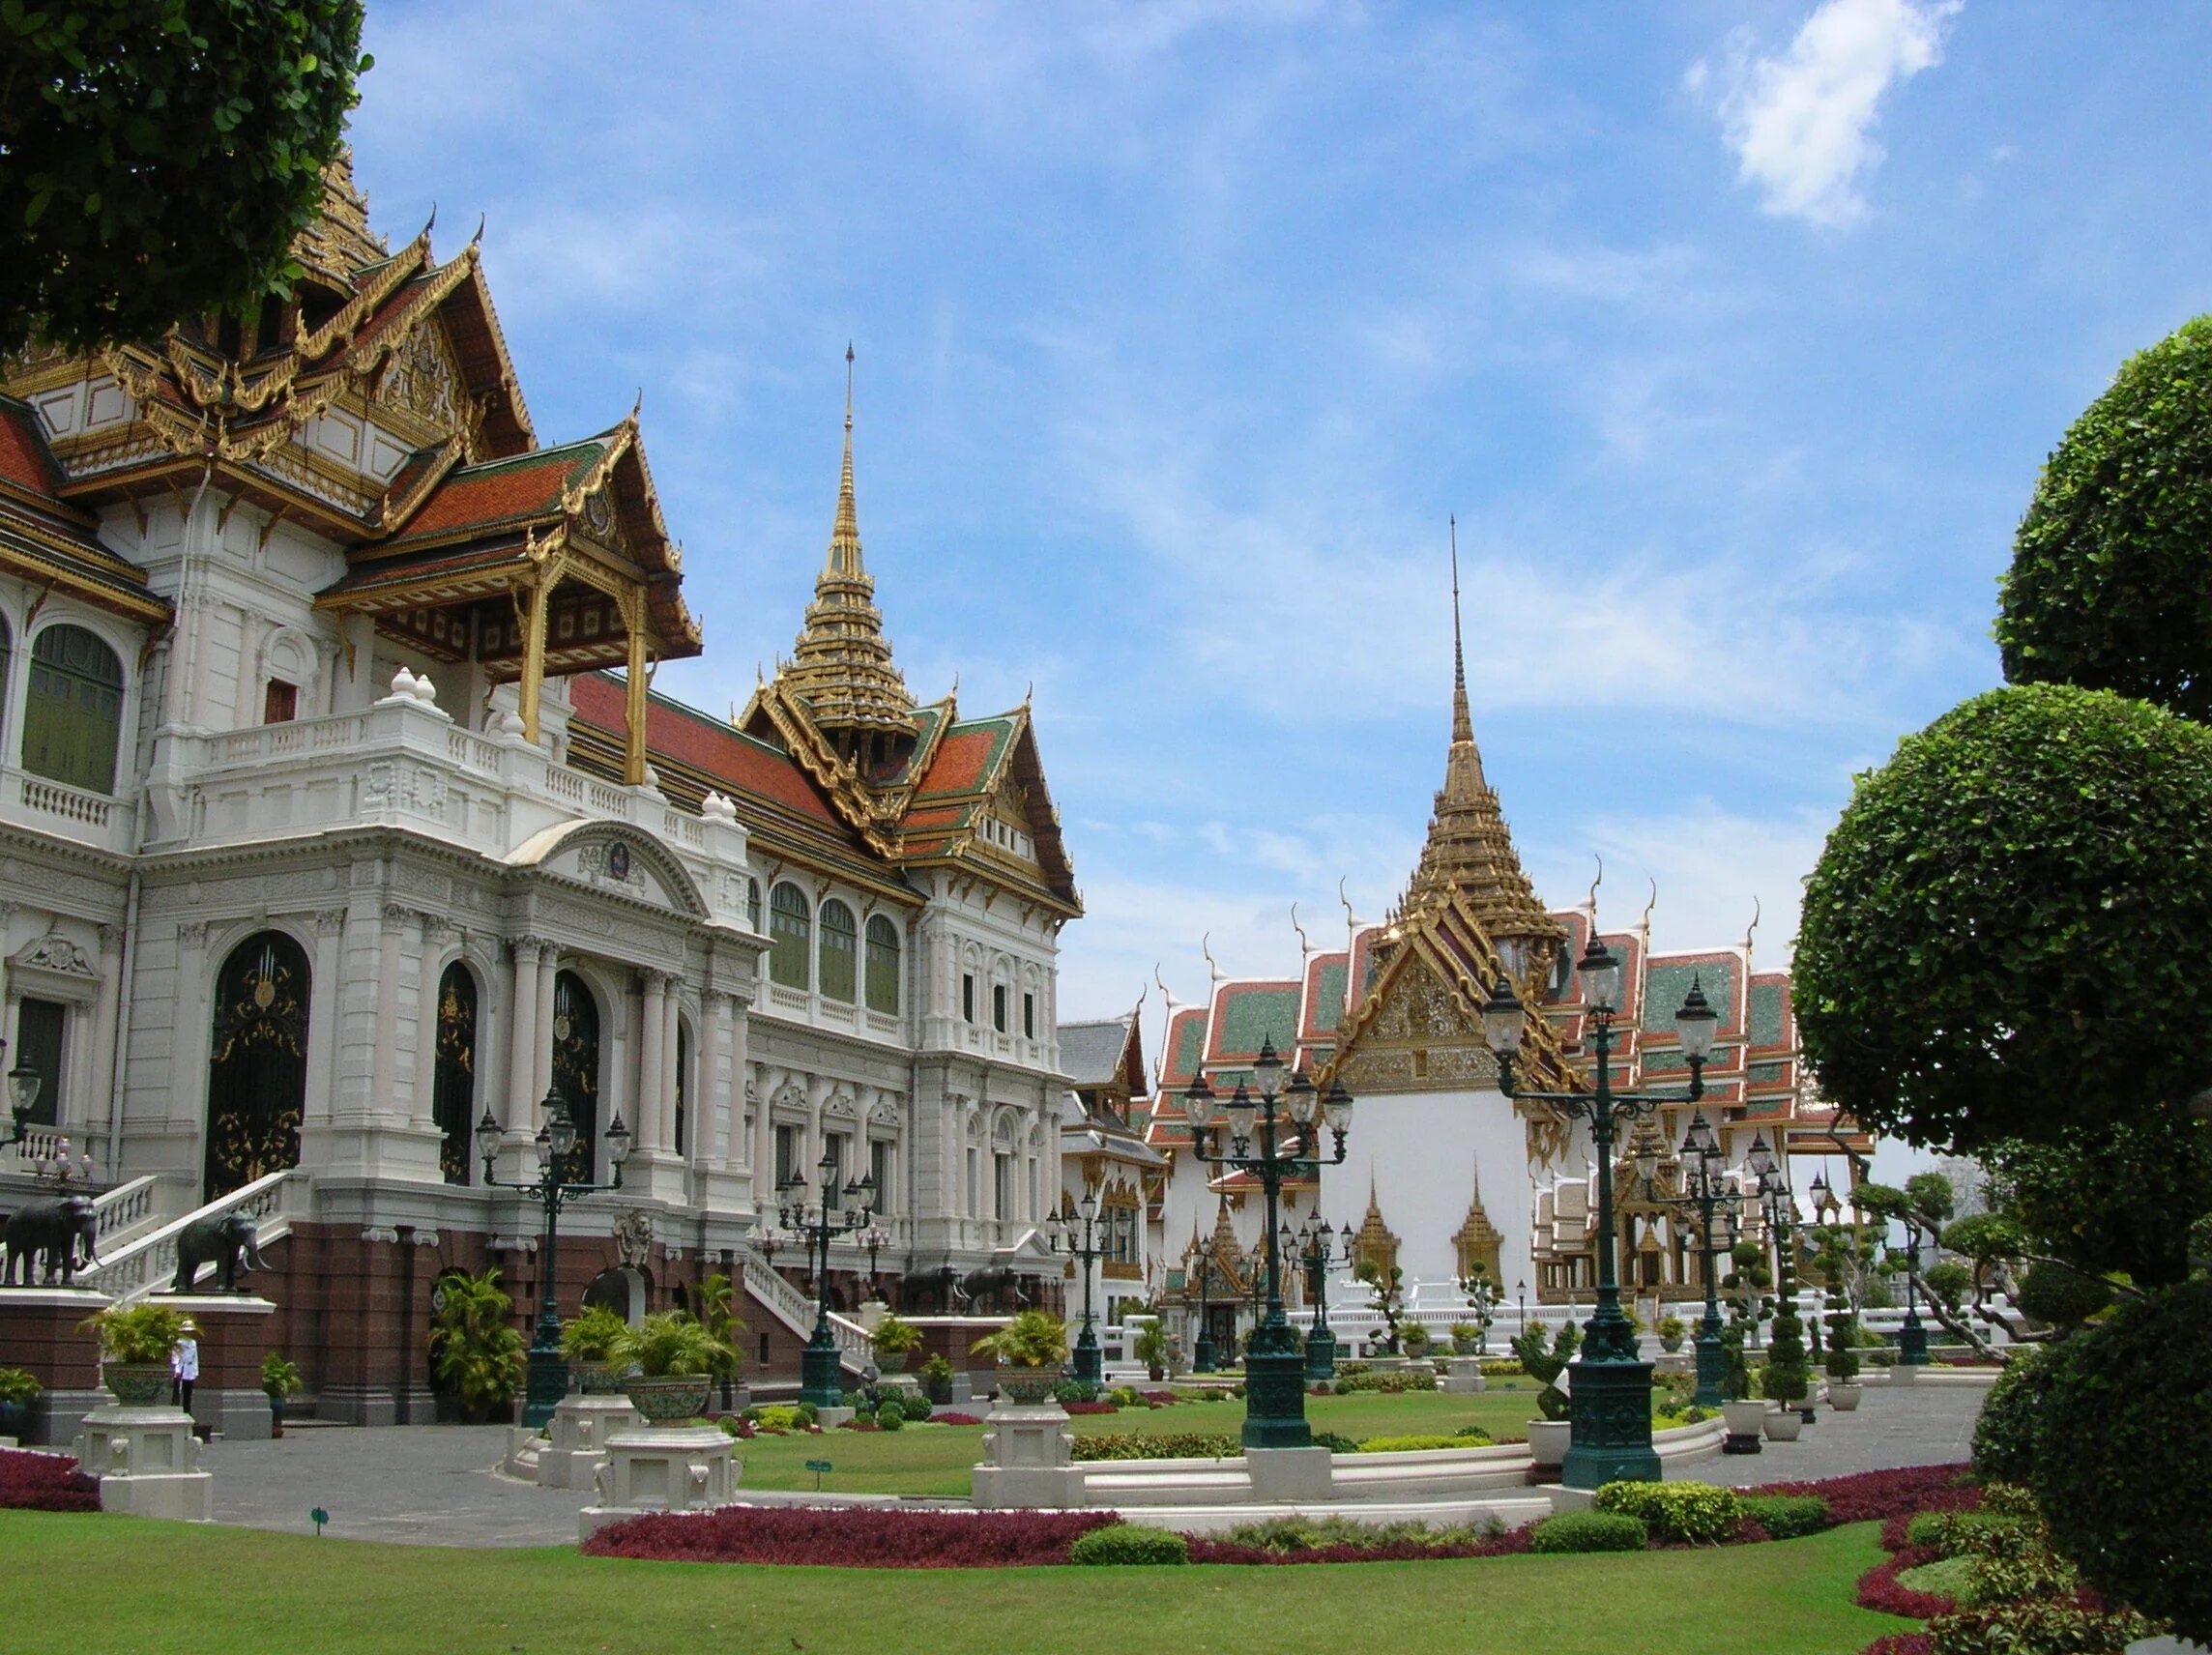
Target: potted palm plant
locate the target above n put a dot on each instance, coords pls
(717, 1300)
(1151, 1349)
(589, 1342)
(675, 1357)
(134, 1345)
(279, 1380)
(937, 1380)
(475, 1354)
(18, 1389)
(896, 1339)
(1032, 1347)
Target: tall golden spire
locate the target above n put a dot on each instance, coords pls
(1468, 849)
(338, 242)
(841, 665)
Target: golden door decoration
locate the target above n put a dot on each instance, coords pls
(257, 1068)
(454, 1090)
(576, 1070)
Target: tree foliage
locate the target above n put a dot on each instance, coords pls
(156, 156)
(2156, 1177)
(2127, 1414)
(2111, 583)
(2004, 937)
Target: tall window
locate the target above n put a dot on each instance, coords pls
(967, 996)
(1029, 1016)
(454, 1090)
(279, 701)
(257, 1062)
(786, 1153)
(999, 1008)
(576, 1070)
(39, 1025)
(72, 715)
(840, 951)
(1002, 1186)
(682, 1092)
(833, 1152)
(883, 965)
(752, 903)
(791, 937)
(7, 650)
(880, 1168)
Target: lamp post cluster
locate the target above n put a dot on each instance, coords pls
(1780, 1209)
(1612, 1395)
(1088, 1361)
(1201, 1352)
(817, 1225)
(555, 1140)
(1319, 1248)
(1274, 1135)
(1705, 1191)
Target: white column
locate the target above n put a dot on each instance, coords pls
(385, 1069)
(541, 1057)
(671, 1075)
(764, 1144)
(106, 1011)
(651, 1076)
(426, 974)
(325, 1024)
(721, 1108)
(522, 1038)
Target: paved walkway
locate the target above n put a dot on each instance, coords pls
(439, 1486)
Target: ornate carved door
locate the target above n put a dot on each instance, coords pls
(258, 1065)
(577, 1069)
(454, 1087)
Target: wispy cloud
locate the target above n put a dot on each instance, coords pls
(1801, 124)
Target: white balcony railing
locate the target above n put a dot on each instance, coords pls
(65, 811)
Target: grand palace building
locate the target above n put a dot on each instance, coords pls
(337, 811)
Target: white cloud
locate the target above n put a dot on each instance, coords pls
(1801, 124)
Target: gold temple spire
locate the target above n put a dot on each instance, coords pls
(841, 665)
(1462, 723)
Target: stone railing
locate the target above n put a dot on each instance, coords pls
(127, 1208)
(796, 1310)
(67, 812)
(147, 1262)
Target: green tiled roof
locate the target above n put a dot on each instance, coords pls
(1665, 986)
(1765, 1014)
(1249, 1015)
(1768, 1074)
(1329, 995)
(1189, 1048)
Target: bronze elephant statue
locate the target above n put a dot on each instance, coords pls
(995, 1283)
(47, 1232)
(228, 1240)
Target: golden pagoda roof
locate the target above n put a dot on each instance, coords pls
(841, 665)
(339, 243)
(1468, 850)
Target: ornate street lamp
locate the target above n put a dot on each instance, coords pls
(1521, 1303)
(548, 1381)
(1202, 1349)
(874, 1238)
(1912, 1337)
(1288, 1123)
(1706, 1193)
(1088, 1361)
(23, 1083)
(1612, 1394)
(1780, 1215)
(816, 1227)
(1317, 1254)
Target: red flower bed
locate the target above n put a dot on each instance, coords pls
(1902, 1644)
(1875, 1495)
(1511, 1544)
(957, 1418)
(1075, 1407)
(1160, 1399)
(44, 1481)
(853, 1537)
(1879, 1591)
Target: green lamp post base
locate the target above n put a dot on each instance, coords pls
(820, 1371)
(1089, 1362)
(547, 1383)
(1320, 1357)
(1612, 1412)
(1913, 1344)
(1712, 1369)
(1275, 1390)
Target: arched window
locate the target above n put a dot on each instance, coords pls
(454, 1090)
(682, 1088)
(73, 715)
(257, 1064)
(791, 937)
(883, 965)
(840, 947)
(576, 1070)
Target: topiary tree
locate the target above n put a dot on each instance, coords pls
(2110, 582)
(2163, 1165)
(2128, 1413)
(2004, 936)
(1785, 1376)
(2060, 1296)
(2006, 1429)
(161, 155)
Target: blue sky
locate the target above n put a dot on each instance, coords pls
(1733, 333)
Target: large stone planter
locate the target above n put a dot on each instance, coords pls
(1745, 1421)
(1844, 1396)
(1463, 1376)
(1784, 1424)
(147, 1461)
(1548, 1440)
(667, 1401)
(136, 1384)
(658, 1469)
(891, 1361)
(1028, 1459)
(1028, 1387)
(581, 1428)
(599, 1379)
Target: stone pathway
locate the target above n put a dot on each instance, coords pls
(438, 1485)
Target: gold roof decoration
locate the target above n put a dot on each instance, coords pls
(1469, 850)
(1376, 1242)
(1477, 1240)
(841, 665)
(338, 242)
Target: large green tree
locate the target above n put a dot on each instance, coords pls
(2111, 583)
(156, 156)
(2006, 935)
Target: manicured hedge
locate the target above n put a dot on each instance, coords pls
(1786, 1516)
(2010, 1421)
(1695, 1513)
(44, 1481)
(1125, 1542)
(1589, 1531)
(1167, 1445)
(855, 1537)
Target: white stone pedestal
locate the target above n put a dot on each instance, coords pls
(1290, 1476)
(1463, 1376)
(147, 1461)
(684, 1467)
(581, 1428)
(1903, 1372)
(1028, 1460)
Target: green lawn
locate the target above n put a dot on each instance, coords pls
(117, 1586)
(935, 1460)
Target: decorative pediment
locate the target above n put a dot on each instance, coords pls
(54, 952)
(1421, 1038)
(616, 859)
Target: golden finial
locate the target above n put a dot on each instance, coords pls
(1589, 902)
(1754, 926)
(1645, 923)
(848, 386)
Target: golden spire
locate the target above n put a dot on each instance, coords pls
(1468, 849)
(338, 242)
(841, 667)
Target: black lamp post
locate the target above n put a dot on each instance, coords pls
(1317, 1255)
(817, 1366)
(1202, 1350)
(23, 1083)
(1706, 1192)
(1781, 1212)
(1087, 1361)
(1612, 1394)
(874, 1238)
(1521, 1303)
(1287, 1122)
(1912, 1337)
(548, 1381)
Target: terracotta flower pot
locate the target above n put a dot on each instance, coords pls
(136, 1384)
(664, 1400)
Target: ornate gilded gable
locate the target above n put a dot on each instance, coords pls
(422, 383)
(1477, 1242)
(1376, 1243)
(1420, 1037)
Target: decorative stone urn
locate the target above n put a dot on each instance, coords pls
(599, 1379)
(1745, 1420)
(1548, 1442)
(1784, 1424)
(1028, 1456)
(1028, 1387)
(665, 1401)
(1844, 1395)
(136, 1384)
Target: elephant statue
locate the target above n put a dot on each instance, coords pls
(994, 1282)
(228, 1240)
(52, 1227)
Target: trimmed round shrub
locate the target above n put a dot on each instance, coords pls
(2011, 1418)
(2059, 1297)
(1125, 1542)
(1589, 1531)
(890, 1418)
(1963, 1533)
(1999, 938)
(916, 1409)
(2110, 582)
(1786, 1516)
(2127, 1420)
(1696, 1514)
(1335, 1441)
